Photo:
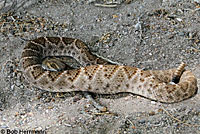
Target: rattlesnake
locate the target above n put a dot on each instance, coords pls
(99, 75)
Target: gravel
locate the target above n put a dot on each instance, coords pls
(147, 34)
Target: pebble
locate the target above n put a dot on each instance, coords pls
(151, 113)
(181, 33)
(3, 126)
(197, 1)
(142, 121)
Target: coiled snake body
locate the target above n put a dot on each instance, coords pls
(98, 75)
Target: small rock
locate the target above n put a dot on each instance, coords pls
(151, 113)
(179, 19)
(142, 121)
(3, 126)
(197, 1)
(181, 33)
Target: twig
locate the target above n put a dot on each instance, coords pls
(105, 5)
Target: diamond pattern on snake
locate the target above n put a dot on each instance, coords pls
(99, 75)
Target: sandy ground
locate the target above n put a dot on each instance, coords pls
(169, 34)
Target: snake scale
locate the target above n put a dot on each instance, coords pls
(99, 75)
